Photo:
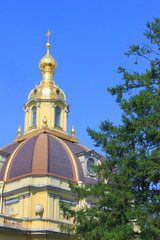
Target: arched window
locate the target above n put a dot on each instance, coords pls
(58, 116)
(34, 116)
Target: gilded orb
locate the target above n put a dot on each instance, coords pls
(45, 121)
(72, 131)
(48, 61)
(19, 131)
(48, 45)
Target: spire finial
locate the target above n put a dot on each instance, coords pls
(47, 35)
(19, 131)
(72, 131)
(45, 122)
(48, 44)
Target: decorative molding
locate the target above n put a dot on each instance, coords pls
(67, 201)
(45, 100)
(84, 157)
(46, 130)
(65, 110)
(53, 105)
(29, 186)
(3, 153)
(38, 105)
(11, 201)
(39, 210)
(51, 195)
(26, 110)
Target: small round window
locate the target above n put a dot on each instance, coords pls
(35, 91)
(57, 92)
(90, 164)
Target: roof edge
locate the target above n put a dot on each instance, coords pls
(46, 130)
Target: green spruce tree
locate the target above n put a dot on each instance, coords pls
(127, 192)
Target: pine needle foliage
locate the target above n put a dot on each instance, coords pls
(127, 205)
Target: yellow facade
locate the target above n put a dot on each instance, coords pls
(29, 206)
(45, 109)
(39, 163)
(45, 99)
(22, 197)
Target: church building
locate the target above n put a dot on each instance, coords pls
(36, 167)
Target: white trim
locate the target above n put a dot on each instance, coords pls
(10, 201)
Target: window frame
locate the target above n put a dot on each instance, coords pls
(34, 116)
(58, 116)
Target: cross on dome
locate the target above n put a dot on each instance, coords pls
(48, 34)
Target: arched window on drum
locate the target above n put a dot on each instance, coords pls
(34, 116)
(58, 116)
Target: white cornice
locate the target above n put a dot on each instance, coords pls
(39, 186)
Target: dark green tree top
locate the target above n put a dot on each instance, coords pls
(126, 196)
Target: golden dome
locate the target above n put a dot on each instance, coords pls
(48, 61)
(47, 92)
(47, 88)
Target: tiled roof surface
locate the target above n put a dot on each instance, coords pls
(22, 163)
(29, 157)
(58, 160)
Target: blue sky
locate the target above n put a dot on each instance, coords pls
(88, 42)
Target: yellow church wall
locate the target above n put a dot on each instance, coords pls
(24, 194)
(48, 237)
(28, 122)
(14, 204)
(56, 208)
(26, 207)
(34, 180)
(59, 104)
(45, 109)
(25, 120)
(63, 115)
(17, 184)
(51, 209)
(65, 120)
(20, 197)
(52, 115)
(39, 180)
(13, 236)
(12, 210)
(18, 236)
(38, 197)
(50, 202)
(32, 224)
(19, 187)
(29, 117)
(43, 224)
(38, 113)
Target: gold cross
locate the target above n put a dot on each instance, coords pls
(47, 35)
